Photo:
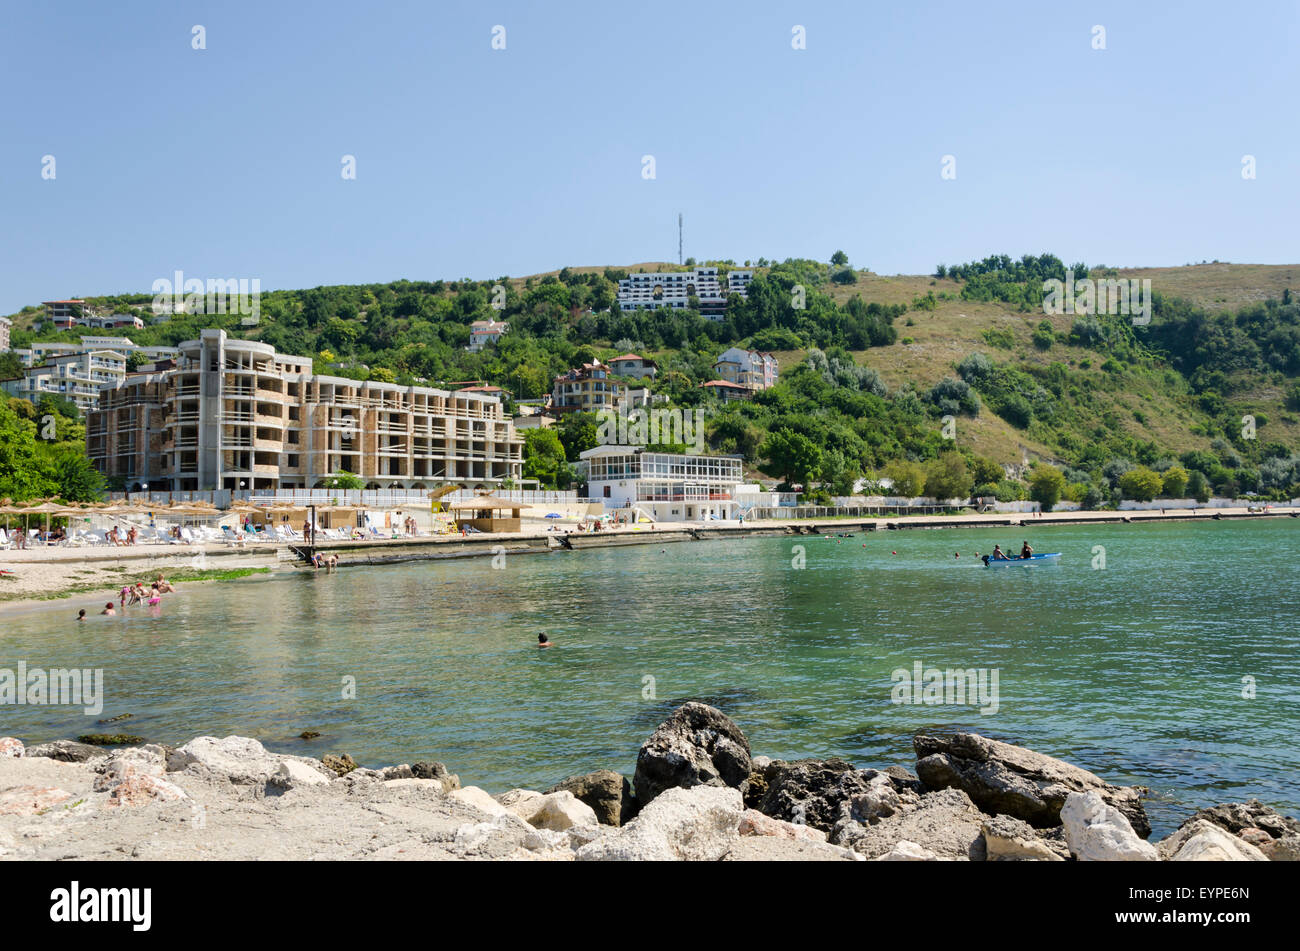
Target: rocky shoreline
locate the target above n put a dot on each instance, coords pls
(698, 794)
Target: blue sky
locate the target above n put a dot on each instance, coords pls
(474, 162)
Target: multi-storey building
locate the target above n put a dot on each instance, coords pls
(669, 487)
(587, 389)
(40, 351)
(64, 313)
(5, 326)
(675, 289)
(748, 368)
(78, 377)
(236, 414)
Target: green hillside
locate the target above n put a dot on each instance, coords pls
(870, 366)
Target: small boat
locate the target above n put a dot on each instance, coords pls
(1049, 558)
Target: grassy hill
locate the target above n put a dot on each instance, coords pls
(1225, 343)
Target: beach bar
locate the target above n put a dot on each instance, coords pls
(487, 513)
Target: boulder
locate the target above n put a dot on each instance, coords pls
(522, 802)
(820, 793)
(1003, 779)
(945, 823)
(436, 771)
(237, 759)
(559, 811)
(1274, 834)
(147, 760)
(605, 791)
(753, 822)
(292, 774)
(1012, 840)
(10, 747)
(906, 851)
(129, 787)
(1098, 832)
(66, 751)
(480, 800)
(389, 773)
(698, 823)
(762, 770)
(698, 745)
(1199, 840)
(340, 764)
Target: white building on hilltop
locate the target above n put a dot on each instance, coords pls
(484, 332)
(674, 290)
(664, 486)
(75, 376)
(750, 368)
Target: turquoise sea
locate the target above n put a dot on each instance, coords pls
(1136, 670)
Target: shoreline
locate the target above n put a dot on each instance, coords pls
(698, 792)
(46, 569)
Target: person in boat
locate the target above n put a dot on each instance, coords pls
(1025, 550)
(998, 553)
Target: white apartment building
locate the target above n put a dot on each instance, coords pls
(667, 487)
(749, 368)
(674, 290)
(39, 352)
(236, 414)
(485, 332)
(5, 326)
(76, 376)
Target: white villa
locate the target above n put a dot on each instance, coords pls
(634, 365)
(484, 332)
(750, 368)
(665, 487)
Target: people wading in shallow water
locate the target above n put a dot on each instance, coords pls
(543, 640)
(108, 609)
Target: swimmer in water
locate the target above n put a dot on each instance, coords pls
(543, 640)
(81, 615)
(108, 609)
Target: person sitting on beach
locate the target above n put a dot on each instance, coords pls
(543, 640)
(108, 609)
(1025, 550)
(131, 535)
(998, 553)
(112, 536)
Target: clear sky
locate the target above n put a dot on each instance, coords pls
(474, 162)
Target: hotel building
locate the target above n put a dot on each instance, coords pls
(77, 376)
(668, 487)
(5, 326)
(748, 368)
(674, 290)
(234, 414)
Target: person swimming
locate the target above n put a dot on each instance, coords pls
(543, 640)
(81, 615)
(108, 609)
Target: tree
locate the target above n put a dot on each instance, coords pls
(1198, 487)
(578, 433)
(342, 480)
(839, 259)
(948, 478)
(791, 455)
(1140, 484)
(1175, 482)
(1045, 486)
(544, 458)
(908, 478)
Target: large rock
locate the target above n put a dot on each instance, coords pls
(66, 751)
(605, 791)
(481, 800)
(681, 824)
(821, 793)
(1199, 840)
(1098, 832)
(753, 822)
(239, 759)
(698, 745)
(1003, 779)
(293, 774)
(1012, 840)
(10, 747)
(945, 823)
(31, 800)
(1274, 834)
(436, 771)
(559, 811)
(906, 851)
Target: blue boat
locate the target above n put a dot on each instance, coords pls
(1046, 559)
